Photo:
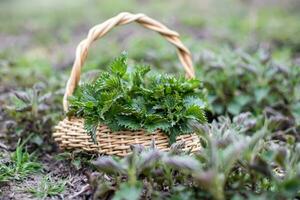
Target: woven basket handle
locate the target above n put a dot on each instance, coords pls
(100, 30)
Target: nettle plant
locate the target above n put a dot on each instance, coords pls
(135, 100)
(238, 160)
(32, 111)
(239, 82)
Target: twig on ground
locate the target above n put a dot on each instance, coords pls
(83, 189)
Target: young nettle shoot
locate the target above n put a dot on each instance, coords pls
(135, 100)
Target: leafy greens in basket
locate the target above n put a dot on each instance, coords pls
(125, 100)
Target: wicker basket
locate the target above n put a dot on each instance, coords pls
(70, 133)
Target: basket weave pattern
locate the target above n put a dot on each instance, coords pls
(70, 133)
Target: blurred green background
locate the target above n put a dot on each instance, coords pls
(47, 31)
(39, 38)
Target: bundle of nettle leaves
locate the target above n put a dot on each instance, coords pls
(135, 100)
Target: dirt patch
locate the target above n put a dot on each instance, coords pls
(58, 170)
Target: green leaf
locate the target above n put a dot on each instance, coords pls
(291, 186)
(195, 112)
(111, 101)
(261, 93)
(91, 125)
(237, 105)
(154, 122)
(139, 104)
(234, 108)
(128, 122)
(170, 102)
(20, 105)
(193, 100)
(296, 112)
(119, 65)
(128, 192)
(139, 74)
(242, 100)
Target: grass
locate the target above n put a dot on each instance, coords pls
(22, 165)
(47, 187)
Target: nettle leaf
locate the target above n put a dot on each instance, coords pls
(129, 192)
(238, 103)
(261, 93)
(128, 122)
(108, 104)
(113, 125)
(101, 81)
(296, 112)
(23, 96)
(139, 104)
(119, 65)
(132, 100)
(195, 112)
(20, 105)
(170, 102)
(112, 83)
(191, 84)
(154, 122)
(243, 99)
(87, 93)
(234, 108)
(193, 100)
(185, 126)
(90, 125)
(139, 74)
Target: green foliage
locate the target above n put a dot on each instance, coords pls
(128, 192)
(124, 100)
(32, 111)
(238, 159)
(239, 82)
(78, 159)
(47, 188)
(20, 166)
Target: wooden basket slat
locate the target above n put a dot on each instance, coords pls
(70, 134)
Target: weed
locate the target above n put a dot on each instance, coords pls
(21, 165)
(47, 187)
(229, 77)
(231, 163)
(78, 159)
(32, 112)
